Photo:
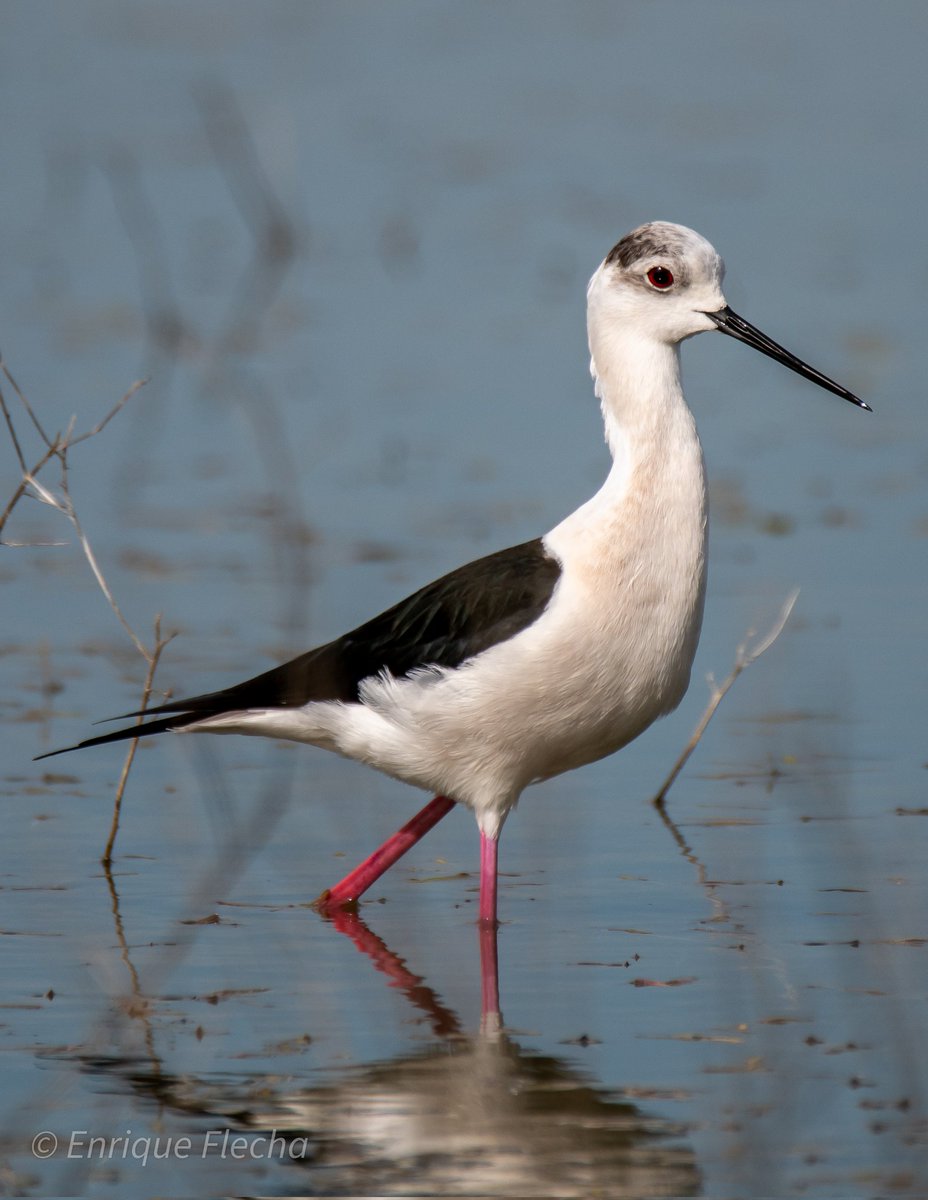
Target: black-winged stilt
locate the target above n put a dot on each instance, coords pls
(551, 654)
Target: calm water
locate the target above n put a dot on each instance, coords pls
(348, 246)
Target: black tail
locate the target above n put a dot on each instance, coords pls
(142, 729)
(264, 691)
(312, 676)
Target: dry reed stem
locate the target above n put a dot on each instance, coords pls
(745, 656)
(153, 659)
(58, 447)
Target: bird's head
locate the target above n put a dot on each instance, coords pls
(661, 282)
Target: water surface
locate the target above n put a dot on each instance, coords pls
(349, 249)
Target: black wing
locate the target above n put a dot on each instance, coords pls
(446, 622)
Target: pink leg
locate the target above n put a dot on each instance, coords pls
(356, 882)
(488, 848)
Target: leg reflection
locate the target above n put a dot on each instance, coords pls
(489, 977)
(443, 1021)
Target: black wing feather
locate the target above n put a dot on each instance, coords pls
(444, 623)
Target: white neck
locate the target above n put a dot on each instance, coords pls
(647, 422)
(652, 506)
(637, 380)
(635, 554)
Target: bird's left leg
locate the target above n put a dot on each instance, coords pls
(356, 882)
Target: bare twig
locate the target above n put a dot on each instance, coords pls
(57, 446)
(27, 406)
(27, 476)
(102, 424)
(61, 500)
(65, 505)
(153, 659)
(745, 655)
(11, 429)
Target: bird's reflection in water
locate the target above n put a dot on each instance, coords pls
(469, 1115)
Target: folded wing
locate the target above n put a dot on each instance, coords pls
(443, 624)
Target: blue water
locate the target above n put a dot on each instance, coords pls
(403, 388)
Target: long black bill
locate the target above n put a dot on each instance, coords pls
(729, 322)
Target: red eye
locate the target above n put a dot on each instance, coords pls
(660, 278)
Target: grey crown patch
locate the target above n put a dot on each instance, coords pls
(634, 247)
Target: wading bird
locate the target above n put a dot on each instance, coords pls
(551, 654)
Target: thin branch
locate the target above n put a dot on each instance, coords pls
(153, 659)
(63, 503)
(102, 424)
(58, 446)
(24, 482)
(101, 580)
(745, 655)
(11, 428)
(25, 403)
